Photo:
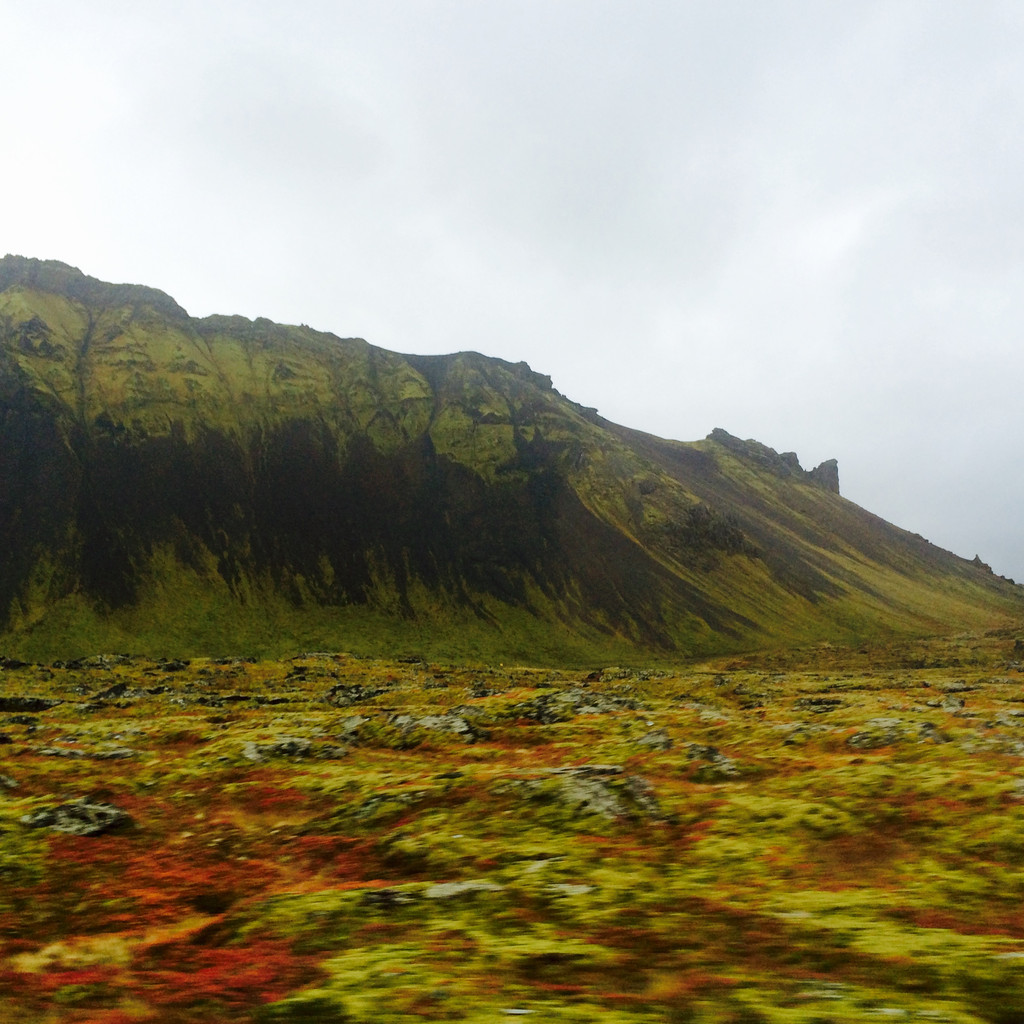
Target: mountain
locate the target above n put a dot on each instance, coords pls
(174, 485)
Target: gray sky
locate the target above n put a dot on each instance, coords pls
(799, 221)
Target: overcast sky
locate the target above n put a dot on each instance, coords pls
(799, 221)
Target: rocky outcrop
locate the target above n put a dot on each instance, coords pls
(826, 475)
(785, 464)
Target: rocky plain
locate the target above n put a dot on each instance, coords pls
(812, 835)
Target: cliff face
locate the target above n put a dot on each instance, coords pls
(211, 484)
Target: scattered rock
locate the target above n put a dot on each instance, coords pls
(960, 686)
(80, 818)
(610, 675)
(113, 754)
(28, 720)
(656, 739)
(6, 782)
(287, 746)
(113, 692)
(931, 732)
(822, 990)
(107, 754)
(388, 898)
(949, 704)
(544, 710)
(449, 890)
(798, 733)
(345, 694)
(719, 768)
(587, 793)
(451, 723)
(350, 726)
(109, 660)
(750, 697)
(568, 889)
(383, 807)
(819, 705)
(706, 712)
(332, 753)
(34, 704)
(878, 732)
(642, 794)
(602, 789)
(549, 708)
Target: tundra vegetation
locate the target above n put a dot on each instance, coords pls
(805, 836)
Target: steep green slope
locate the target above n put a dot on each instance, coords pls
(178, 485)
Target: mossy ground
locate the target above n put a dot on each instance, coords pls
(806, 836)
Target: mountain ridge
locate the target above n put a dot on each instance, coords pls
(221, 483)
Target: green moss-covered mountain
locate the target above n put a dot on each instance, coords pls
(179, 485)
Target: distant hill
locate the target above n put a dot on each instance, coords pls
(171, 485)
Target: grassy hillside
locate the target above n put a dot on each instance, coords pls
(175, 486)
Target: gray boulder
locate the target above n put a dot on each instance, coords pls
(656, 739)
(878, 732)
(80, 818)
(287, 746)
